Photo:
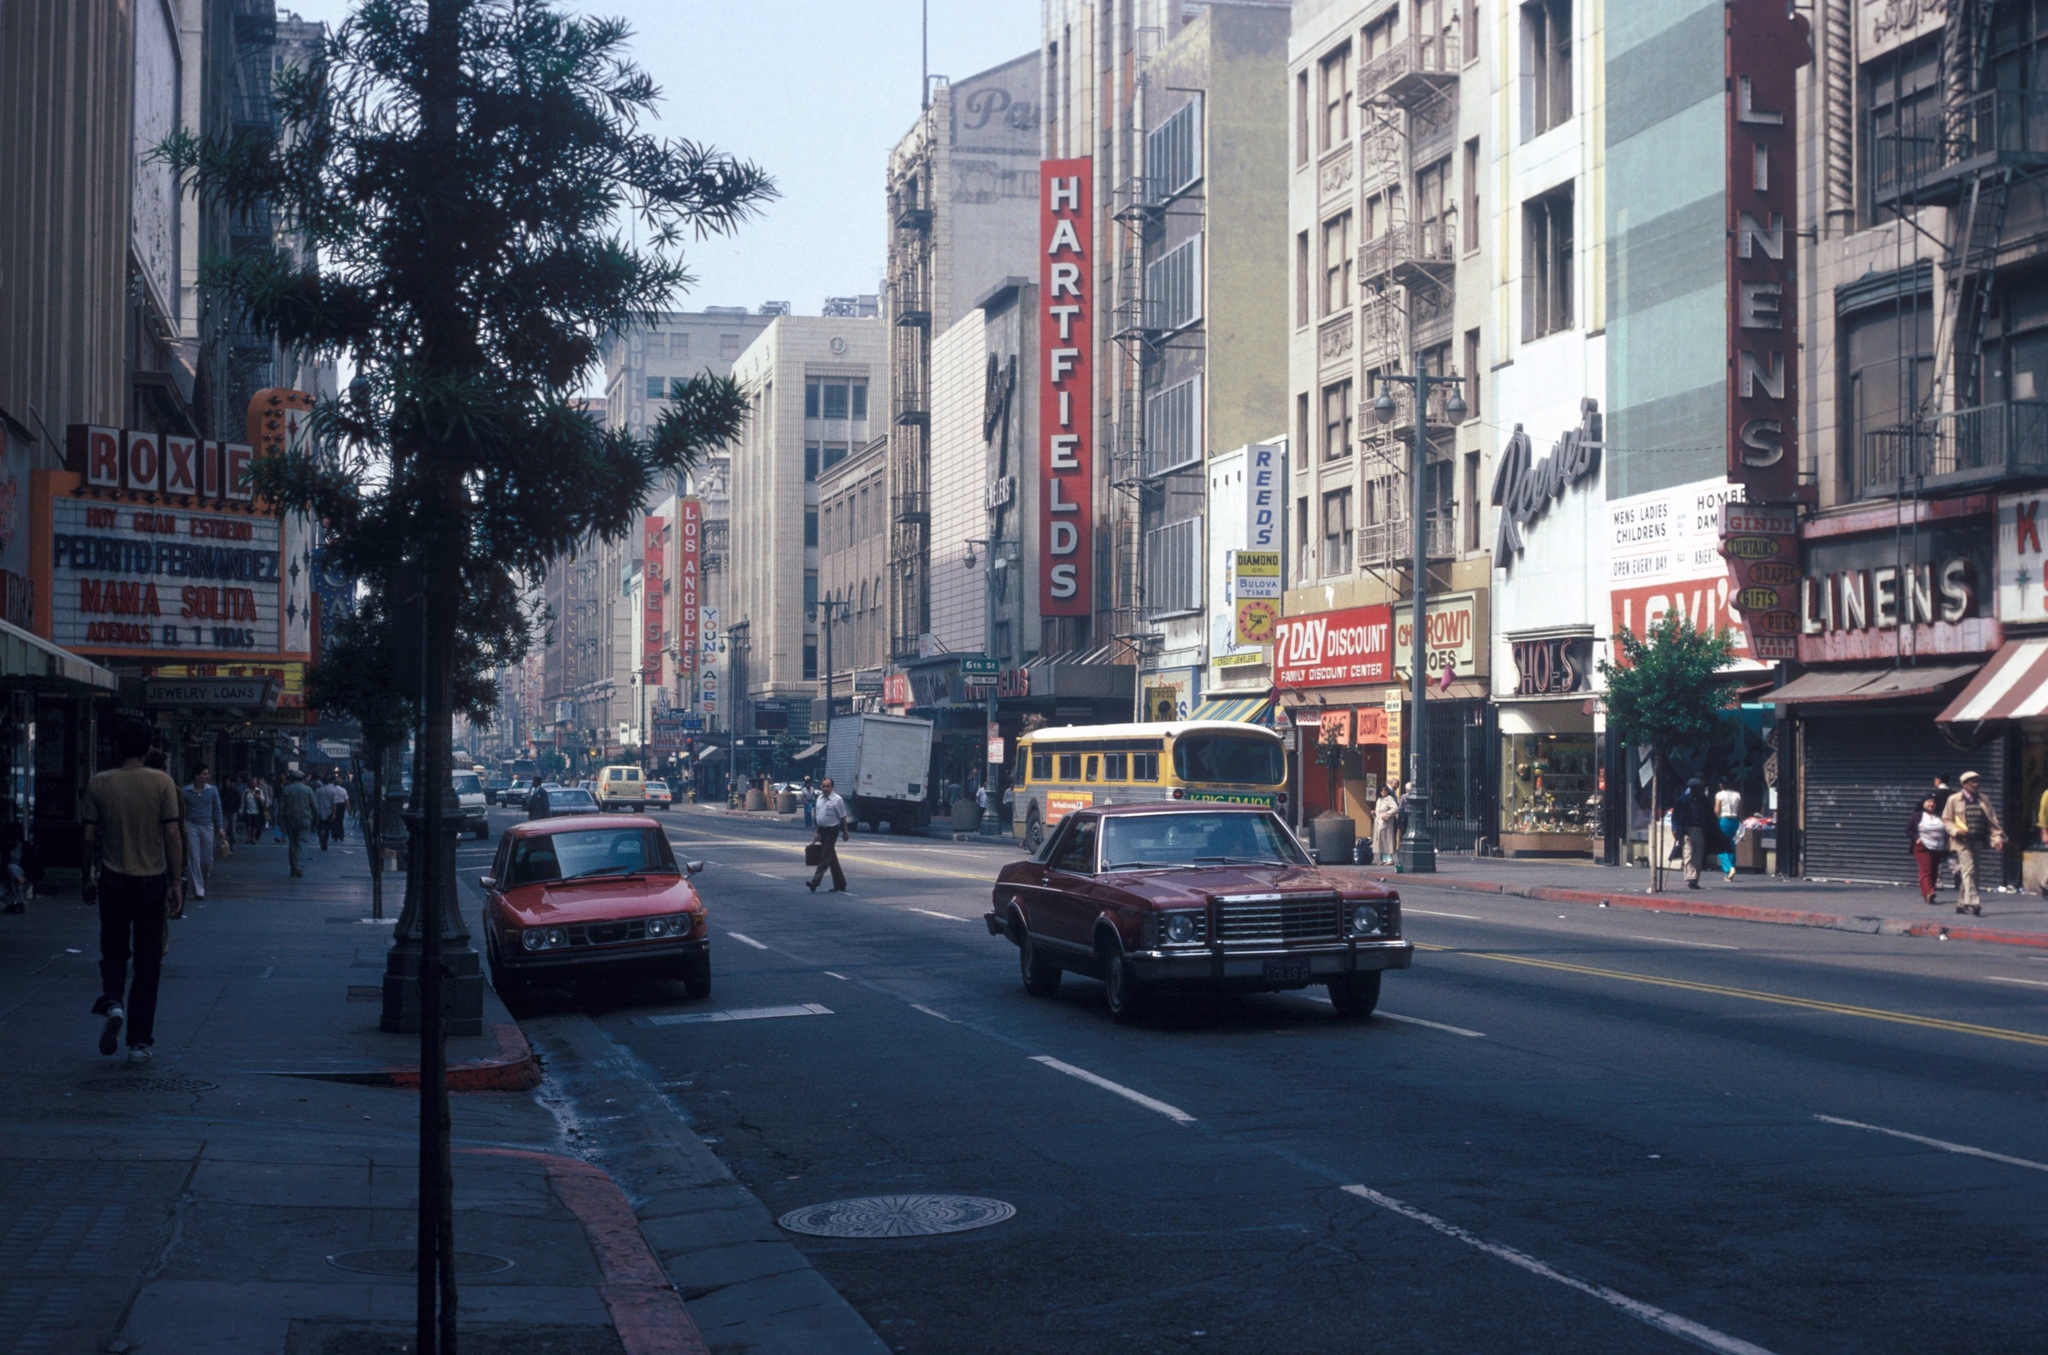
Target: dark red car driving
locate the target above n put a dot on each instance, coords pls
(1216, 896)
(592, 896)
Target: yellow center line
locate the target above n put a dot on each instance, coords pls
(1752, 995)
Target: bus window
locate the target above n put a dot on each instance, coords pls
(1094, 764)
(1041, 766)
(1144, 766)
(1230, 759)
(1113, 768)
(1070, 766)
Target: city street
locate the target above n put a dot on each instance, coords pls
(1566, 1128)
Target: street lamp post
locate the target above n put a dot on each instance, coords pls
(1418, 844)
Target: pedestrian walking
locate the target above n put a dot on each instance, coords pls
(1928, 838)
(1973, 827)
(1689, 824)
(1386, 837)
(206, 824)
(810, 795)
(131, 815)
(13, 860)
(1728, 814)
(255, 801)
(832, 820)
(323, 809)
(339, 828)
(296, 810)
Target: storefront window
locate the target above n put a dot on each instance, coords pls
(1549, 784)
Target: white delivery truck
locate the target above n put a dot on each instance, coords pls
(879, 763)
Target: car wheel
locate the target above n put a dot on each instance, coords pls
(1122, 990)
(1041, 974)
(1034, 831)
(511, 989)
(1355, 995)
(695, 972)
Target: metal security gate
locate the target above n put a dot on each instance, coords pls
(1462, 798)
(1864, 776)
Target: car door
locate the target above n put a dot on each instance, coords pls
(1066, 911)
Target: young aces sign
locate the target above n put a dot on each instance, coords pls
(1066, 298)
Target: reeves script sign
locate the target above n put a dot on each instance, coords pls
(1329, 649)
(1524, 488)
(1066, 417)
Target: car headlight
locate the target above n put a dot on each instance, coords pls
(657, 926)
(1365, 919)
(533, 939)
(557, 937)
(1180, 928)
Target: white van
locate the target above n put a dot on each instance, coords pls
(621, 788)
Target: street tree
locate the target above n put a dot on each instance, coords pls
(466, 174)
(1666, 694)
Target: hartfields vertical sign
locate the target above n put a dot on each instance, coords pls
(653, 597)
(1066, 528)
(689, 547)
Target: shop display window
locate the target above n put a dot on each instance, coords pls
(1550, 783)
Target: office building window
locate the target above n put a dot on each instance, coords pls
(836, 400)
(1338, 263)
(1336, 94)
(679, 344)
(1902, 102)
(1436, 220)
(1301, 279)
(1173, 151)
(1473, 511)
(1470, 390)
(1301, 431)
(810, 662)
(728, 345)
(810, 463)
(1173, 428)
(1302, 572)
(657, 388)
(1337, 421)
(1546, 65)
(1173, 287)
(810, 526)
(1337, 532)
(1547, 264)
(1471, 207)
(1301, 118)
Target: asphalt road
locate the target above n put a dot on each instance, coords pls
(1569, 1127)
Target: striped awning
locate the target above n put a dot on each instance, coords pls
(1867, 684)
(2013, 686)
(1244, 710)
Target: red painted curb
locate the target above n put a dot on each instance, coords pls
(1739, 912)
(647, 1312)
(516, 1069)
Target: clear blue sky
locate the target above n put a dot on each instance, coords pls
(814, 91)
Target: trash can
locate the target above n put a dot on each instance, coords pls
(1332, 834)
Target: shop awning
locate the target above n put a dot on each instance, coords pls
(1867, 684)
(2013, 686)
(1245, 710)
(812, 751)
(713, 751)
(23, 655)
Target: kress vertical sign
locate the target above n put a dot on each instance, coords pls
(1766, 46)
(653, 597)
(1066, 528)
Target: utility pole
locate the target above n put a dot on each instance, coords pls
(1418, 845)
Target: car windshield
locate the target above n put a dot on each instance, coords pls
(1138, 841)
(590, 852)
(1232, 759)
(570, 799)
(467, 784)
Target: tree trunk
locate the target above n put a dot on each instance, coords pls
(1657, 851)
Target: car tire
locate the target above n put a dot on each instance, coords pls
(1355, 995)
(695, 972)
(511, 989)
(1034, 831)
(1121, 989)
(1041, 973)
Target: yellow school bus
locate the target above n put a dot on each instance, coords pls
(1061, 770)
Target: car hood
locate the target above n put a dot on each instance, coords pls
(587, 901)
(1186, 888)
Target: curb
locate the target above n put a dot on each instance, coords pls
(516, 1069)
(1738, 912)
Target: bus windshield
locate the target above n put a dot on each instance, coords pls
(1233, 759)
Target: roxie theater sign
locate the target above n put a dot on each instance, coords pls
(1066, 296)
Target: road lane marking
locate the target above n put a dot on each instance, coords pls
(1963, 1148)
(950, 917)
(732, 1014)
(920, 1007)
(1674, 941)
(1431, 912)
(1174, 1113)
(1671, 1322)
(841, 977)
(746, 940)
(1752, 995)
(1433, 1025)
(855, 859)
(2031, 983)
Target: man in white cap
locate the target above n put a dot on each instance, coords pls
(1973, 827)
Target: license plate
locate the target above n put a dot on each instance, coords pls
(1287, 971)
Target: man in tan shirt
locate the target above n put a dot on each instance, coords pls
(131, 825)
(1973, 828)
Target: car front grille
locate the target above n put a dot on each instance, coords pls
(1312, 917)
(606, 933)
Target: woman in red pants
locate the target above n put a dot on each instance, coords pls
(1929, 838)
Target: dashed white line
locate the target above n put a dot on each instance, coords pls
(746, 940)
(1671, 1322)
(1434, 1025)
(2031, 983)
(1174, 1113)
(1432, 912)
(950, 917)
(841, 977)
(1674, 941)
(1962, 1148)
(765, 875)
(920, 1007)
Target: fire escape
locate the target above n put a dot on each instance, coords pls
(1967, 155)
(910, 292)
(1407, 267)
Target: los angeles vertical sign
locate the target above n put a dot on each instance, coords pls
(1066, 297)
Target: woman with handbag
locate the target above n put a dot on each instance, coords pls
(1927, 837)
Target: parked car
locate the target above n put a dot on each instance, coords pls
(496, 784)
(515, 792)
(476, 811)
(553, 801)
(592, 897)
(621, 787)
(659, 795)
(1194, 895)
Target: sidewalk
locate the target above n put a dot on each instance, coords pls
(213, 1201)
(2017, 919)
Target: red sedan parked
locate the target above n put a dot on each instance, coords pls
(1190, 894)
(592, 896)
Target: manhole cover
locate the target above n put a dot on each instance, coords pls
(394, 1262)
(181, 1085)
(897, 1216)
